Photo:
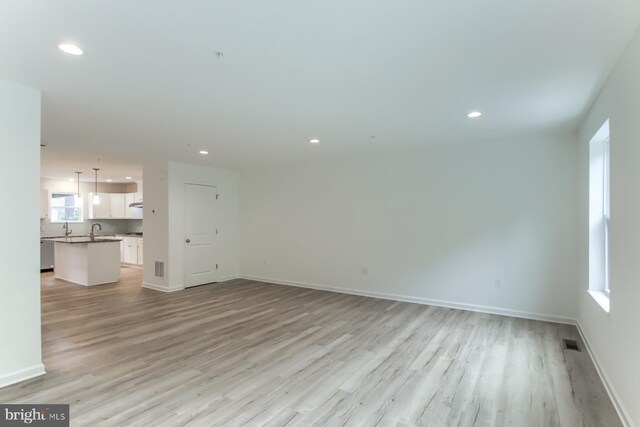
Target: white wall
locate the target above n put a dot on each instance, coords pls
(438, 225)
(20, 355)
(156, 223)
(227, 187)
(164, 229)
(615, 338)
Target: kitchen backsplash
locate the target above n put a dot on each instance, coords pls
(109, 226)
(133, 226)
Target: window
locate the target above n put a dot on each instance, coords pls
(66, 207)
(606, 215)
(600, 217)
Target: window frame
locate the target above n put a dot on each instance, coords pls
(78, 204)
(599, 218)
(606, 213)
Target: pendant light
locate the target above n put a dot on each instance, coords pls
(78, 183)
(96, 198)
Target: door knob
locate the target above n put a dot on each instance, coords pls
(188, 240)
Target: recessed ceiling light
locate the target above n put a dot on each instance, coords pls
(127, 177)
(314, 141)
(474, 114)
(203, 152)
(71, 49)
(109, 180)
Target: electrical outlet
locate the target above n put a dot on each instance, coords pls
(498, 283)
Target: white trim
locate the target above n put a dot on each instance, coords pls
(159, 288)
(602, 298)
(22, 375)
(611, 391)
(419, 300)
(163, 289)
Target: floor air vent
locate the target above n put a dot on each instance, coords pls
(570, 345)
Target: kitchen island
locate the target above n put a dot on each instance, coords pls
(87, 261)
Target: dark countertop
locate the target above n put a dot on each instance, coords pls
(77, 235)
(84, 239)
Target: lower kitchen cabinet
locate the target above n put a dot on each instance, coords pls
(130, 255)
(140, 257)
(132, 250)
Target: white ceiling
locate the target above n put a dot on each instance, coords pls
(406, 71)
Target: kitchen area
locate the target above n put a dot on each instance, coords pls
(90, 229)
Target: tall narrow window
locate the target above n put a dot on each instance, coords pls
(600, 217)
(606, 215)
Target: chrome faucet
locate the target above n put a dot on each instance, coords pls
(93, 230)
(66, 229)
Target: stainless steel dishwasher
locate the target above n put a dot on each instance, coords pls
(47, 255)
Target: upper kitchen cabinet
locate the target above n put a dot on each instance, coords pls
(118, 208)
(115, 206)
(102, 210)
(133, 212)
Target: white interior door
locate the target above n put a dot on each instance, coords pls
(201, 219)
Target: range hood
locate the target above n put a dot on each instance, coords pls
(136, 205)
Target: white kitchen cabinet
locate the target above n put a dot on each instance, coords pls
(117, 208)
(137, 212)
(128, 199)
(130, 253)
(112, 206)
(132, 250)
(101, 211)
(44, 204)
(87, 263)
(140, 253)
(133, 213)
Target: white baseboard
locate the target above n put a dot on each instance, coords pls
(22, 375)
(164, 289)
(419, 300)
(159, 288)
(611, 391)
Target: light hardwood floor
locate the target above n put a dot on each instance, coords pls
(250, 353)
